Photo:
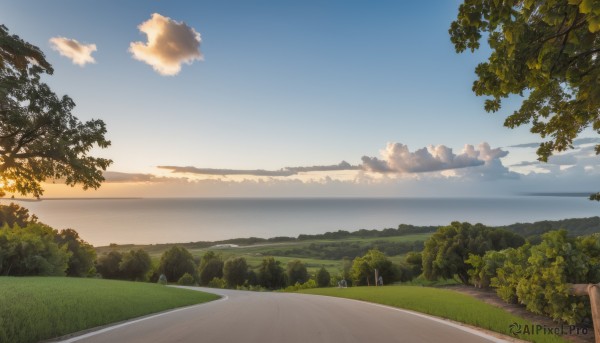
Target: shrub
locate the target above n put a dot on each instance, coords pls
(186, 280)
(216, 283)
(323, 278)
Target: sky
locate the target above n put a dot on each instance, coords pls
(286, 98)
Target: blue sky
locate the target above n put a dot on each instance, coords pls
(281, 84)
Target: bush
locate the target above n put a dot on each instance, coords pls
(175, 262)
(186, 280)
(235, 272)
(217, 283)
(323, 278)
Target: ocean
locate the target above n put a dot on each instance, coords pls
(167, 220)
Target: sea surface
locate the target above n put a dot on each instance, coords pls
(147, 221)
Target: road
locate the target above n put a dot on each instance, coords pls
(284, 317)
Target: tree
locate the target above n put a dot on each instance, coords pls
(108, 265)
(363, 268)
(175, 262)
(81, 261)
(270, 274)
(135, 265)
(31, 250)
(235, 271)
(296, 272)
(323, 277)
(544, 51)
(211, 267)
(39, 136)
(449, 247)
(14, 214)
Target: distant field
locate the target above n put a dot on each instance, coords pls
(255, 253)
(39, 308)
(438, 302)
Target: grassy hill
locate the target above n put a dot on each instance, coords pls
(38, 308)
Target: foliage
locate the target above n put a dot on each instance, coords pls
(296, 272)
(186, 280)
(543, 51)
(484, 267)
(82, 254)
(211, 267)
(14, 214)
(216, 282)
(447, 250)
(270, 274)
(34, 309)
(235, 271)
(108, 265)
(31, 250)
(300, 286)
(135, 265)
(323, 278)
(175, 262)
(438, 302)
(39, 136)
(414, 263)
(363, 268)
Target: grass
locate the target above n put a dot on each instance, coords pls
(38, 308)
(439, 302)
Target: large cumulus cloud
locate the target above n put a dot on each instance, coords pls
(170, 44)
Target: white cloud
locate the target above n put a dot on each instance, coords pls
(78, 53)
(397, 158)
(170, 44)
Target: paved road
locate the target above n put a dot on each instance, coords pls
(285, 317)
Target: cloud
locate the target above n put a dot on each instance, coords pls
(396, 158)
(576, 142)
(78, 53)
(119, 177)
(170, 44)
(287, 171)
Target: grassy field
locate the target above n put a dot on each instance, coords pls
(439, 302)
(38, 308)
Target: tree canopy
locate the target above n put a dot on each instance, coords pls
(544, 51)
(40, 139)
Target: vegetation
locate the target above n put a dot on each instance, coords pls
(39, 136)
(363, 268)
(211, 267)
(543, 51)
(31, 250)
(537, 276)
(235, 272)
(82, 254)
(447, 250)
(175, 262)
(98, 302)
(270, 274)
(323, 278)
(296, 272)
(438, 302)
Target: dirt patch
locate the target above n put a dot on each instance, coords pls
(489, 296)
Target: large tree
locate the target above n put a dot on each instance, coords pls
(40, 139)
(546, 52)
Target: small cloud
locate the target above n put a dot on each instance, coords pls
(78, 53)
(119, 177)
(170, 43)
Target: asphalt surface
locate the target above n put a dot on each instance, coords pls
(284, 317)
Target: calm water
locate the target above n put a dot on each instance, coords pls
(104, 221)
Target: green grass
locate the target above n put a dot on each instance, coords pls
(438, 302)
(38, 308)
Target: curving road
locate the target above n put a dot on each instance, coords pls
(285, 317)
